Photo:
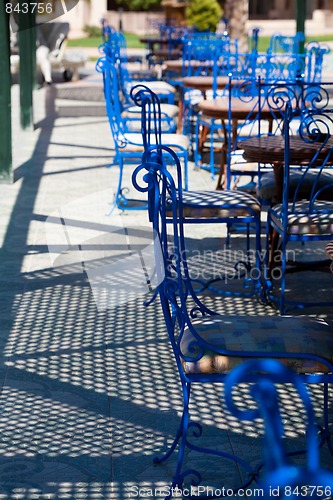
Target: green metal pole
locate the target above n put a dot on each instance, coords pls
(6, 172)
(27, 65)
(300, 21)
(33, 52)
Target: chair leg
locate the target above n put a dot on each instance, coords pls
(180, 436)
(186, 171)
(283, 275)
(325, 432)
(118, 196)
(197, 152)
(211, 153)
(185, 421)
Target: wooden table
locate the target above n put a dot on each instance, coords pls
(240, 110)
(179, 64)
(270, 149)
(205, 83)
(167, 46)
(161, 40)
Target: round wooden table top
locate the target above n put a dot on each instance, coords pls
(219, 108)
(204, 82)
(270, 149)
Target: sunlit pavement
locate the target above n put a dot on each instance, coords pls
(90, 394)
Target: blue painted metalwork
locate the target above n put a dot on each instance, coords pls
(202, 207)
(106, 30)
(270, 67)
(115, 48)
(283, 478)
(116, 55)
(206, 345)
(305, 212)
(169, 36)
(219, 57)
(128, 144)
(288, 44)
(314, 55)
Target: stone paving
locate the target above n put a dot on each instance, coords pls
(90, 394)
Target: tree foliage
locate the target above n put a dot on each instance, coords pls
(138, 4)
(203, 14)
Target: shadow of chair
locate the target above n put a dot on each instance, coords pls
(205, 344)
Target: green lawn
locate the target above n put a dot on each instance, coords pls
(134, 43)
(131, 39)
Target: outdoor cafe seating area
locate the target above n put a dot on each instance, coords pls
(259, 126)
(166, 273)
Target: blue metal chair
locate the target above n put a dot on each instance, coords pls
(305, 212)
(205, 344)
(282, 478)
(170, 43)
(202, 207)
(291, 69)
(315, 54)
(246, 68)
(115, 49)
(285, 44)
(223, 57)
(128, 144)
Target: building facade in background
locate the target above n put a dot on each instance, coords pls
(91, 12)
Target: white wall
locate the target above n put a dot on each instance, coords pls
(84, 13)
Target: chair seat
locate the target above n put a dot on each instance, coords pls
(267, 189)
(300, 222)
(170, 110)
(222, 204)
(275, 334)
(158, 86)
(135, 142)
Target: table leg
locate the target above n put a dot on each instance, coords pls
(225, 158)
(274, 237)
(181, 109)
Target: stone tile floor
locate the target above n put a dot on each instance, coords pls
(90, 394)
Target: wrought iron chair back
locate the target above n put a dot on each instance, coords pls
(115, 49)
(106, 30)
(315, 54)
(304, 211)
(128, 142)
(112, 102)
(200, 54)
(202, 207)
(315, 127)
(285, 44)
